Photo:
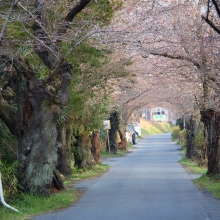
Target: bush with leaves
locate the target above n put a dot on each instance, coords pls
(175, 133)
(9, 180)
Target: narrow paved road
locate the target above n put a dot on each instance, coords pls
(148, 184)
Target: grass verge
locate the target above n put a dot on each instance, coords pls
(191, 166)
(119, 153)
(210, 184)
(106, 154)
(80, 174)
(30, 205)
(149, 127)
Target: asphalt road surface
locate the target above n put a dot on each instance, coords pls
(147, 184)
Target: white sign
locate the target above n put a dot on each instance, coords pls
(107, 124)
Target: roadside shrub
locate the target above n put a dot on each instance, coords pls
(200, 145)
(200, 140)
(9, 180)
(175, 133)
(8, 146)
(182, 137)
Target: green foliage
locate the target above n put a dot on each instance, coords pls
(175, 133)
(7, 143)
(182, 137)
(9, 180)
(85, 54)
(79, 153)
(101, 11)
(16, 32)
(180, 123)
(200, 141)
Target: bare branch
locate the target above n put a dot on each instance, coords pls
(216, 7)
(177, 57)
(71, 15)
(13, 3)
(211, 24)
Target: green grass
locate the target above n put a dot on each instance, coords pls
(207, 183)
(192, 166)
(120, 153)
(30, 205)
(144, 133)
(154, 128)
(79, 174)
(210, 184)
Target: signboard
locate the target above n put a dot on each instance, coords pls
(106, 124)
(159, 118)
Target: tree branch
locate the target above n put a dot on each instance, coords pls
(71, 15)
(211, 24)
(177, 57)
(137, 96)
(216, 7)
(13, 3)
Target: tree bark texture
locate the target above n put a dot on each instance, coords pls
(34, 123)
(211, 120)
(82, 153)
(39, 107)
(96, 147)
(64, 152)
(190, 138)
(123, 144)
(114, 121)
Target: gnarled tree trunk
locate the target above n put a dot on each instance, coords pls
(39, 107)
(82, 152)
(39, 102)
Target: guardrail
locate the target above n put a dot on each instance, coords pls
(2, 196)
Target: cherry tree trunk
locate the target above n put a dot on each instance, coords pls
(114, 121)
(123, 144)
(190, 138)
(39, 108)
(96, 147)
(37, 151)
(211, 120)
(64, 152)
(82, 153)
